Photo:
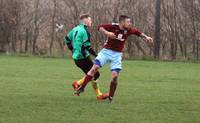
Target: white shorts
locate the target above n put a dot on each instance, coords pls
(107, 56)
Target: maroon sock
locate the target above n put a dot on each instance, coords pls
(87, 79)
(113, 86)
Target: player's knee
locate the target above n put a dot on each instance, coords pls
(115, 74)
(115, 77)
(94, 70)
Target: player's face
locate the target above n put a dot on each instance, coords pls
(127, 23)
(89, 21)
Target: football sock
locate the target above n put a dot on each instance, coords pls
(95, 86)
(80, 82)
(87, 79)
(113, 86)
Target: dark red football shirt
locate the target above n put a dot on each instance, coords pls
(122, 35)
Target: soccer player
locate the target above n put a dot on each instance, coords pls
(117, 34)
(78, 41)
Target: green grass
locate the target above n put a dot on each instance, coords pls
(33, 90)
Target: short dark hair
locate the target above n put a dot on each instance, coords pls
(123, 17)
(83, 16)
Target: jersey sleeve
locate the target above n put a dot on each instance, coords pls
(134, 31)
(69, 37)
(85, 38)
(87, 44)
(107, 27)
(83, 35)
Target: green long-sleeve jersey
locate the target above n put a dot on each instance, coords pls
(79, 38)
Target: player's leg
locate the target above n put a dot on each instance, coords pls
(113, 84)
(100, 96)
(82, 64)
(94, 82)
(80, 82)
(85, 65)
(100, 60)
(116, 66)
(89, 76)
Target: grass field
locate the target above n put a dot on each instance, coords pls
(38, 90)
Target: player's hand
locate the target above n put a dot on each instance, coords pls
(111, 35)
(65, 48)
(149, 40)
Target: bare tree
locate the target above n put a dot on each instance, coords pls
(29, 26)
(157, 29)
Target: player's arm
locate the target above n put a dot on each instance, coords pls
(68, 40)
(91, 51)
(105, 29)
(87, 44)
(142, 35)
(68, 43)
(147, 38)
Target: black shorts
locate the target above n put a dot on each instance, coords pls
(85, 65)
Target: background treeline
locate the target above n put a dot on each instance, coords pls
(30, 26)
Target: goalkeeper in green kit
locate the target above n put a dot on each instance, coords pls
(78, 41)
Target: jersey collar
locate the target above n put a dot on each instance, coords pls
(82, 24)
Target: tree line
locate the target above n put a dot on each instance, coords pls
(39, 26)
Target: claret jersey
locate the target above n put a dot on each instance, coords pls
(118, 43)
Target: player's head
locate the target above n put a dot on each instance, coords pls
(125, 21)
(86, 19)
